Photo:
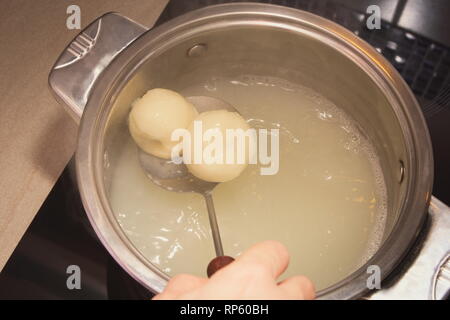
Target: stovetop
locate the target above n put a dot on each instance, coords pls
(60, 235)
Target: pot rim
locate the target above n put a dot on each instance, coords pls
(89, 155)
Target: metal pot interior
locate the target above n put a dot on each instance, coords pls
(318, 60)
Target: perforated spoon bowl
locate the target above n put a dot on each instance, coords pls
(176, 177)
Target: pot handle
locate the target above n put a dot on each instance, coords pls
(428, 273)
(88, 54)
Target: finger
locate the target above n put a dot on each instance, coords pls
(298, 287)
(180, 284)
(271, 255)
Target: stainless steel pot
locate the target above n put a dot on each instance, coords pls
(115, 60)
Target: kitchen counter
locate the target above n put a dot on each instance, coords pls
(37, 137)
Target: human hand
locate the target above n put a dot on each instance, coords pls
(253, 276)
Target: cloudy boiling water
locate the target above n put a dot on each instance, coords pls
(326, 204)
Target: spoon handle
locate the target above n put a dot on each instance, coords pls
(218, 263)
(213, 223)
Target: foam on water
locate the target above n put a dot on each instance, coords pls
(358, 143)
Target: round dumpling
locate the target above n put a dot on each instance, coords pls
(155, 116)
(211, 169)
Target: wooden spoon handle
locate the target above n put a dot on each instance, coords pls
(218, 263)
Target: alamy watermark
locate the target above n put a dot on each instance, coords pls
(374, 279)
(237, 146)
(74, 279)
(374, 19)
(73, 21)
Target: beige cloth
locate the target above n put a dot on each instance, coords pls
(37, 138)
